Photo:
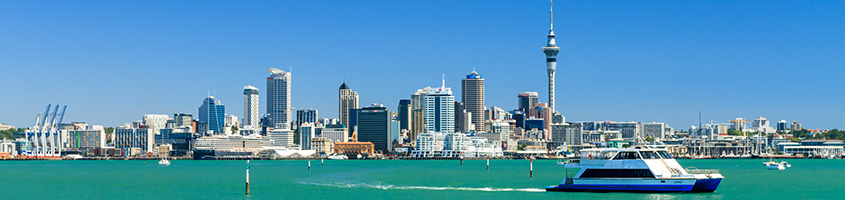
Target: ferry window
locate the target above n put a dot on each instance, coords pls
(620, 173)
(666, 155)
(650, 155)
(627, 155)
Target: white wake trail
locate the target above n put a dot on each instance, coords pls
(394, 187)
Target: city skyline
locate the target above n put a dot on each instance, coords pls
(663, 70)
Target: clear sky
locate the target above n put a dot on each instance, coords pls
(113, 61)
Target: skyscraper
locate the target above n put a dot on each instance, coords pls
(306, 116)
(374, 126)
(472, 96)
(251, 106)
(551, 51)
(347, 99)
(404, 114)
(526, 101)
(439, 110)
(211, 114)
(417, 123)
(278, 99)
(183, 119)
(460, 116)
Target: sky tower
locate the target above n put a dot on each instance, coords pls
(551, 59)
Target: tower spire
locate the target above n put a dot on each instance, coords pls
(444, 81)
(551, 19)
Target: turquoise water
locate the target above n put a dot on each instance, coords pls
(381, 179)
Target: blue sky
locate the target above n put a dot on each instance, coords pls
(113, 61)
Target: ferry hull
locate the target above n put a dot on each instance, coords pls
(639, 186)
(706, 185)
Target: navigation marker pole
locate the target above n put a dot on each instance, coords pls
(462, 158)
(531, 168)
(247, 177)
(309, 165)
(488, 163)
(321, 161)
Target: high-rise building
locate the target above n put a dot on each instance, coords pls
(278, 99)
(306, 116)
(460, 115)
(568, 133)
(655, 130)
(183, 119)
(155, 122)
(551, 51)
(347, 99)
(211, 115)
(629, 130)
(472, 96)
(306, 132)
(404, 114)
(417, 122)
(251, 106)
(439, 110)
(335, 132)
(374, 126)
(782, 126)
(142, 138)
(526, 101)
(796, 126)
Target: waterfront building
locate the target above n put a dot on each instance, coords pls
(281, 137)
(374, 126)
(7, 148)
(211, 115)
(353, 149)
(347, 99)
(453, 145)
(654, 130)
(306, 132)
(472, 97)
(278, 99)
(404, 114)
(526, 101)
(91, 137)
(551, 51)
(128, 138)
(321, 144)
(796, 126)
(335, 132)
(183, 119)
(155, 122)
(180, 139)
(232, 146)
(782, 126)
(231, 121)
(306, 116)
(439, 110)
(251, 106)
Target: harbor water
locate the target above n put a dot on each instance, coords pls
(382, 179)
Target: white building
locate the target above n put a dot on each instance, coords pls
(335, 132)
(654, 130)
(156, 122)
(761, 124)
(436, 144)
(439, 110)
(321, 144)
(278, 99)
(281, 137)
(251, 106)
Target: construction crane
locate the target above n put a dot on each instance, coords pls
(742, 121)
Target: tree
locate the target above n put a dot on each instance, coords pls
(649, 139)
(734, 132)
(521, 147)
(234, 129)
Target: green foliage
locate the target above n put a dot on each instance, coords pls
(234, 129)
(734, 132)
(795, 139)
(649, 139)
(521, 147)
(834, 134)
(10, 134)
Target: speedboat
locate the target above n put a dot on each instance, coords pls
(776, 166)
(337, 157)
(633, 170)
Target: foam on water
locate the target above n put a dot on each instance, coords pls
(395, 187)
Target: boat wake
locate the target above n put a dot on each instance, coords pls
(396, 187)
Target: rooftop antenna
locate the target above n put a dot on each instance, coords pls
(551, 22)
(444, 81)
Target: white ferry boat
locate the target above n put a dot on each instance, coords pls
(633, 170)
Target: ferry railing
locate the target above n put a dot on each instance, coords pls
(703, 171)
(568, 161)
